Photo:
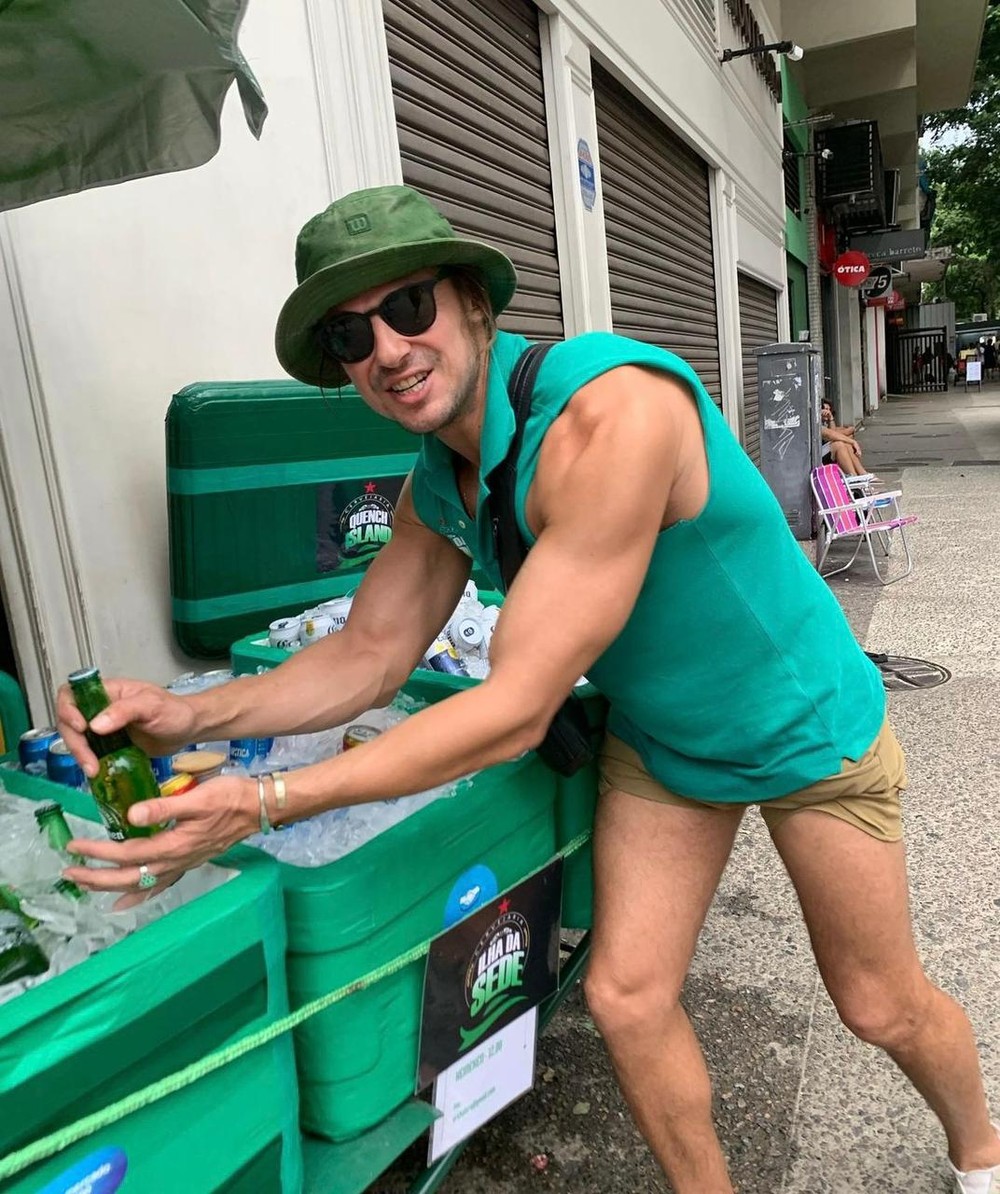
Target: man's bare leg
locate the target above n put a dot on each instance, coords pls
(656, 869)
(853, 893)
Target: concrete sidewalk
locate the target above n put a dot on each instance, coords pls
(802, 1106)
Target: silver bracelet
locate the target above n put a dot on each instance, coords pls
(280, 791)
(265, 823)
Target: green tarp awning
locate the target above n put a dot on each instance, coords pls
(100, 91)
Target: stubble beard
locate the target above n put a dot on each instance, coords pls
(463, 398)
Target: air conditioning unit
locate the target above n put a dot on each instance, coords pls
(981, 317)
(850, 182)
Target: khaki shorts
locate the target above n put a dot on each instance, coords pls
(864, 793)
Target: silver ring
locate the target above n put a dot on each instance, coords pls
(146, 878)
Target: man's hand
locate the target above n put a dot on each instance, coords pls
(158, 722)
(207, 821)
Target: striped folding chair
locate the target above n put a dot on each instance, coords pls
(872, 520)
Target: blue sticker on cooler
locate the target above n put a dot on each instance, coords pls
(99, 1173)
(477, 886)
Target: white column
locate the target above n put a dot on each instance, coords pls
(872, 360)
(350, 62)
(724, 229)
(572, 128)
(45, 603)
(848, 318)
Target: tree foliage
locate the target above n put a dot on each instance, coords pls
(963, 167)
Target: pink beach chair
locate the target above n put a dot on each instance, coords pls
(871, 520)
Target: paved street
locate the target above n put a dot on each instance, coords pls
(803, 1107)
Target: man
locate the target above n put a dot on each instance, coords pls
(662, 567)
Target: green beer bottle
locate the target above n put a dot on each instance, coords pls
(52, 822)
(69, 889)
(126, 774)
(20, 954)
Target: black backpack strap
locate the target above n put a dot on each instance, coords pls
(508, 545)
(568, 743)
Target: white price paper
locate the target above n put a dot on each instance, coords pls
(483, 1082)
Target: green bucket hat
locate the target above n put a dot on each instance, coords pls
(364, 240)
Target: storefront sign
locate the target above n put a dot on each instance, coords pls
(877, 287)
(851, 268)
(752, 35)
(489, 969)
(892, 246)
(896, 302)
(588, 176)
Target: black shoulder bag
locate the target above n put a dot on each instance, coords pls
(568, 744)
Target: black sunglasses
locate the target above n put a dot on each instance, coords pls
(348, 337)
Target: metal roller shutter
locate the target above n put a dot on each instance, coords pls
(470, 112)
(758, 326)
(658, 217)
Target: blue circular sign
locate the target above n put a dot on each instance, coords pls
(475, 887)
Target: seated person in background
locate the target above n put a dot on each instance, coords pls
(839, 443)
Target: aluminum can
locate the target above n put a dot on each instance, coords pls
(202, 764)
(163, 767)
(33, 748)
(466, 633)
(284, 633)
(178, 784)
(61, 767)
(358, 735)
(315, 625)
(442, 657)
(243, 751)
(337, 610)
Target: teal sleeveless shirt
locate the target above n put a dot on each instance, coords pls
(736, 677)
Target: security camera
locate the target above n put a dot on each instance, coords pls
(826, 154)
(795, 54)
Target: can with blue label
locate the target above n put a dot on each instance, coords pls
(163, 767)
(243, 751)
(33, 749)
(61, 767)
(442, 657)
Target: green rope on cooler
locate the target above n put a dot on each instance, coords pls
(55, 1142)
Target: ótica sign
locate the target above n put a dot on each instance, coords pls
(851, 268)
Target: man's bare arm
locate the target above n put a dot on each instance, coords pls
(408, 593)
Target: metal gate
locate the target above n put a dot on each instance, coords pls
(917, 360)
(658, 218)
(758, 326)
(470, 115)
